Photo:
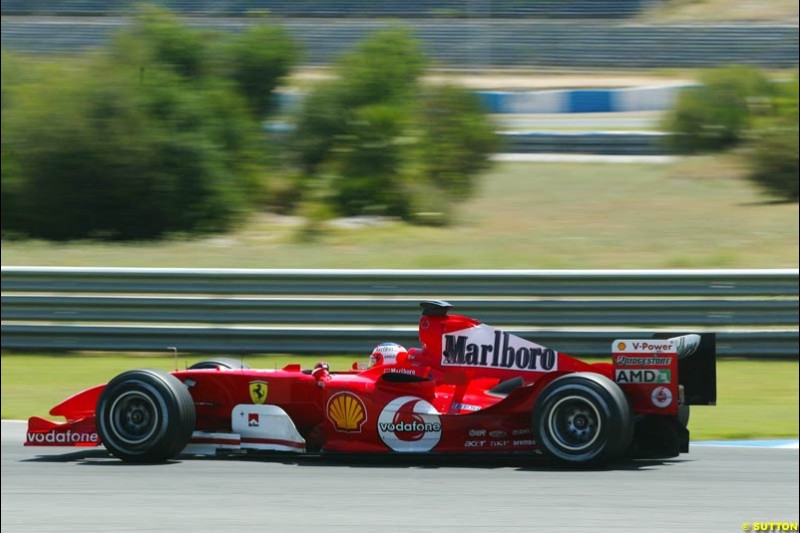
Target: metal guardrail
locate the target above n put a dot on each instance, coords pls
(322, 341)
(601, 142)
(617, 313)
(754, 312)
(398, 283)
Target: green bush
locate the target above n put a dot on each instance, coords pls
(380, 143)
(158, 39)
(739, 106)
(715, 115)
(320, 124)
(384, 69)
(9, 175)
(368, 166)
(773, 153)
(147, 139)
(457, 139)
(106, 158)
(256, 60)
(253, 61)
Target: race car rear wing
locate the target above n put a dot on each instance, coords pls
(697, 369)
(695, 354)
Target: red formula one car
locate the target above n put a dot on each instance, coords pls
(469, 388)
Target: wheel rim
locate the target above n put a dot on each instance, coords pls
(134, 417)
(574, 423)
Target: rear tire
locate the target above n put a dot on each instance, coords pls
(583, 418)
(220, 362)
(145, 416)
(683, 415)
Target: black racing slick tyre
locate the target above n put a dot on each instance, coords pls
(220, 362)
(145, 416)
(683, 415)
(583, 419)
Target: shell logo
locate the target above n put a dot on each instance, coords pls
(621, 346)
(346, 412)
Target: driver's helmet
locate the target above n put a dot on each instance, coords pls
(386, 353)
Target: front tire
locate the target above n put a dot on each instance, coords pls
(220, 362)
(145, 416)
(583, 418)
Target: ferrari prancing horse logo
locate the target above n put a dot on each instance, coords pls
(258, 391)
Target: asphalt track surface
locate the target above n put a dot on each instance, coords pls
(710, 489)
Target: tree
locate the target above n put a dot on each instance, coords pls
(146, 139)
(158, 39)
(715, 115)
(457, 139)
(383, 143)
(108, 158)
(773, 150)
(256, 61)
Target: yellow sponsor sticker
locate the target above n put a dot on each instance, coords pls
(258, 391)
(346, 412)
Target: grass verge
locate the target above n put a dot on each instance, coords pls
(757, 399)
(694, 213)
